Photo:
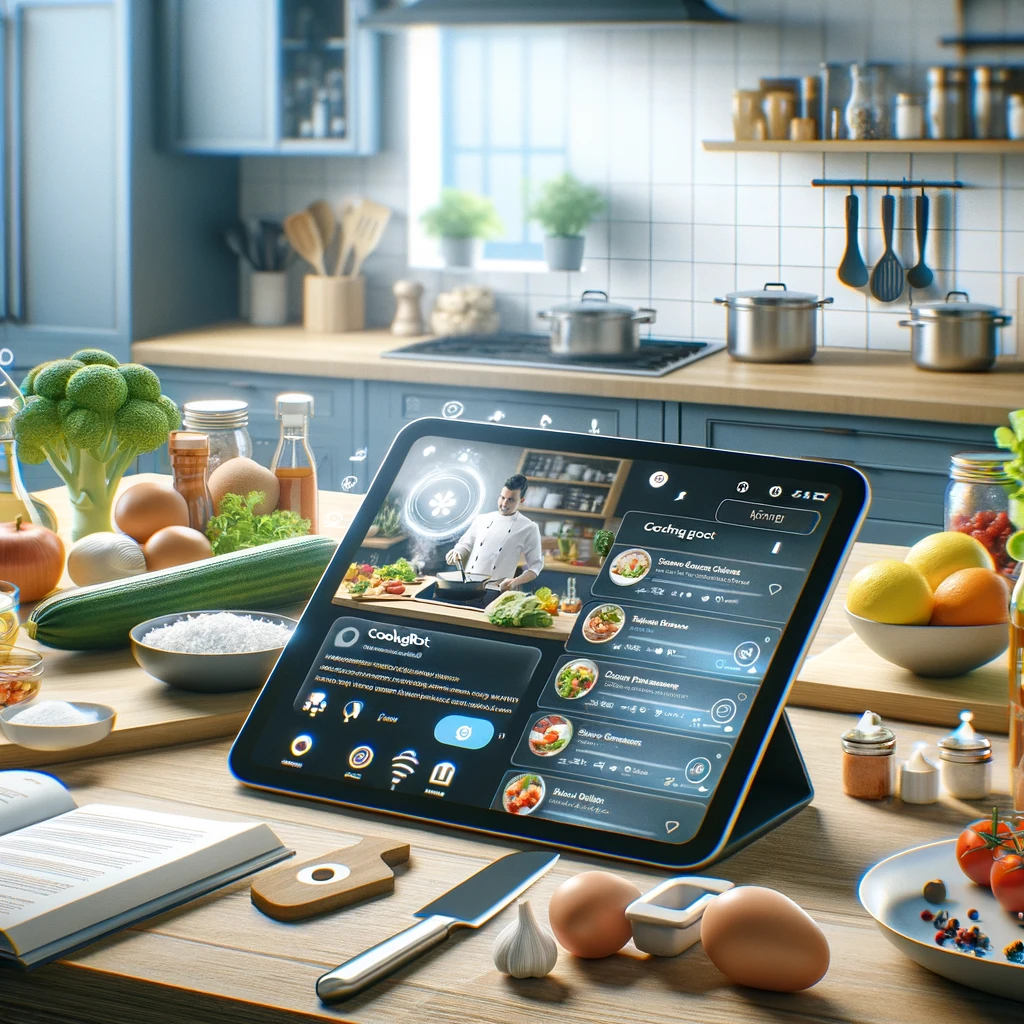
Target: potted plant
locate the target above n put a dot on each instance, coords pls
(603, 541)
(458, 220)
(564, 207)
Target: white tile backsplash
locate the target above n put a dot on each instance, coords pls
(684, 225)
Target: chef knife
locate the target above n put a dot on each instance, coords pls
(472, 903)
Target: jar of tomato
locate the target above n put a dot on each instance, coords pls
(978, 501)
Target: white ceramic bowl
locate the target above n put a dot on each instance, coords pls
(934, 651)
(58, 737)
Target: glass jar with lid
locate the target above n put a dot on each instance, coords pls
(226, 422)
(978, 502)
(865, 116)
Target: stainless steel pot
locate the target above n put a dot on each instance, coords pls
(772, 325)
(955, 335)
(595, 327)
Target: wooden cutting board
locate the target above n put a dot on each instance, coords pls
(850, 677)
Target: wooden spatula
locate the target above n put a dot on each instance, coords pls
(301, 231)
(326, 224)
(349, 219)
(370, 224)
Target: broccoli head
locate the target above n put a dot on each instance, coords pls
(96, 357)
(98, 387)
(142, 382)
(37, 424)
(51, 379)
(141, 425)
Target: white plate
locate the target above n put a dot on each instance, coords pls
(891, 893)
(623, 581)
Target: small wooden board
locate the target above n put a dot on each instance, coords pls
(336, 879)
(851, 677)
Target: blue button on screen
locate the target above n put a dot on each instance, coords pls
(462, 731)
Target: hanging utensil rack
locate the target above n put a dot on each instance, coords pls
(901, 183)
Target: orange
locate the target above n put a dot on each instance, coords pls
(971, 597)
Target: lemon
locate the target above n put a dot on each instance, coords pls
(942, 554)
(890, 591)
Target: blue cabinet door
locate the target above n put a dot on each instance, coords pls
(68, 157)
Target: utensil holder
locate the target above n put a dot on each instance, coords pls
(268, 298)
(333, 305)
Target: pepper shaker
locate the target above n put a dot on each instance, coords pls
(868, 762)
(965, 760)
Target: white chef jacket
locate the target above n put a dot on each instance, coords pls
(494, 542)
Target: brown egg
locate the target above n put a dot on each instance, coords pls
(760, 938)
(588, 913)
(147, 507)
(175, 545)
(240, 476)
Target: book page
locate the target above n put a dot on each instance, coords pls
(27, 797)
(63, 875)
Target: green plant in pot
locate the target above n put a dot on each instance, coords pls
(91, 417)
(603, 541)
(458, 221)
(564, 207)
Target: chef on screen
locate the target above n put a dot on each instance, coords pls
(495, 541)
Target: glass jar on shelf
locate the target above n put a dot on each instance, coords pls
(865, 116)
(978, 502)
(225, 422)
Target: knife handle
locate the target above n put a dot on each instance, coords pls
(379, 961)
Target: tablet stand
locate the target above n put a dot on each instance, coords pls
(780, 788)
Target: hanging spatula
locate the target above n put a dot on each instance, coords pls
(920, 275)
(852, 271)
(887, 277)
(302, 234)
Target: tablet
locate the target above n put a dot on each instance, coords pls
(610, 671)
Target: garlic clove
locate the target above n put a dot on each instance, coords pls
(525, 949)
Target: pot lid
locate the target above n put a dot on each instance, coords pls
(961, 308)
(774, 293)
(594, 303)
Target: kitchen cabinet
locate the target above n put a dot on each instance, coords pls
(269, 76)
(906, 462)
(104, 238)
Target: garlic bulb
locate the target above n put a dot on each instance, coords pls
(525, 949)
(102, 557)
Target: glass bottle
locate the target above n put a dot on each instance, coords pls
(1017, 698)
(293, 463)
(863, 117)
(190, 454)
(978, 502)
(225, 422)
(14, 497)
(571, 603)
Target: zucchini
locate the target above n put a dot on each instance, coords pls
(273, 575)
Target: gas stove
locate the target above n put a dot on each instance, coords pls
(654, 358)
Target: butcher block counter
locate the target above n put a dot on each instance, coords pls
(846, 382)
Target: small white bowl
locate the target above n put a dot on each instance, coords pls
(666, 920)
(934, 651)
(58, 737)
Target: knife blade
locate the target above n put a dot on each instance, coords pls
(469, 905)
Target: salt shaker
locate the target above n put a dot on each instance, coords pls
(919, 779)
(868, 762)
(965, 759)
(408, 320)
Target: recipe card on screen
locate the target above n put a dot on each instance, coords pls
(526, 628)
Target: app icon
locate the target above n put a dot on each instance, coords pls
(774, 588)
(775, 491)
(742, 487)
(403, 765)
(659, 478)
(351, 710)
(777, 547)
(315, 703)
(671, 826)
(821, 495)
(723, 711)
(360, 757)
(463, 731)
(698, 770)
(442, 773)
(301, 745)
(348, 637)
(746, 653)
(680, 495)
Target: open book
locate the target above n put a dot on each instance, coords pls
(69, 875)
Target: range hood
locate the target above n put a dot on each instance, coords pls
(546, 12)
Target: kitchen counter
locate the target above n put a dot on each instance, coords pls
(848, 382)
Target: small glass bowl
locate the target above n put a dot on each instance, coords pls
(21, 673)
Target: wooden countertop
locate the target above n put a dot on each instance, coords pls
(848, 382)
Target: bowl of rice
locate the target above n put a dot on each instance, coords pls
(211, 652)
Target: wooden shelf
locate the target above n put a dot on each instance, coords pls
(985, 146)
(383, 543)
(565, 512)
(571, 483)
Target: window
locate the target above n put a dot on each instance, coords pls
(500, 112)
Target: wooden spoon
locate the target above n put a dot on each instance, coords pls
(349, 220)
(302, 234)
(326, 224)
(373, 219)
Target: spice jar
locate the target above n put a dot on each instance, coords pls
(225, 422)
(909, 116)
(190, 453)
(864, 118)
(978, 501)
(1015, 116)
(965, 760)
(868, 762)
(919, 779)
(989, 103)
(746, 112)
(571, 603)
(947, 103)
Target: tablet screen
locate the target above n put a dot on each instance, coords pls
(597, 664)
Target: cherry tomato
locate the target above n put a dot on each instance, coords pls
(977, 845)
(1008, 882)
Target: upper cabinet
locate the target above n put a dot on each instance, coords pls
(270, 76)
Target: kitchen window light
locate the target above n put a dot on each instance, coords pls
(487, 113)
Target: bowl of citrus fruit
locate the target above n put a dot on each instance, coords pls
(942, 611)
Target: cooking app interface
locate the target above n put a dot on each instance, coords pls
(597, 661)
